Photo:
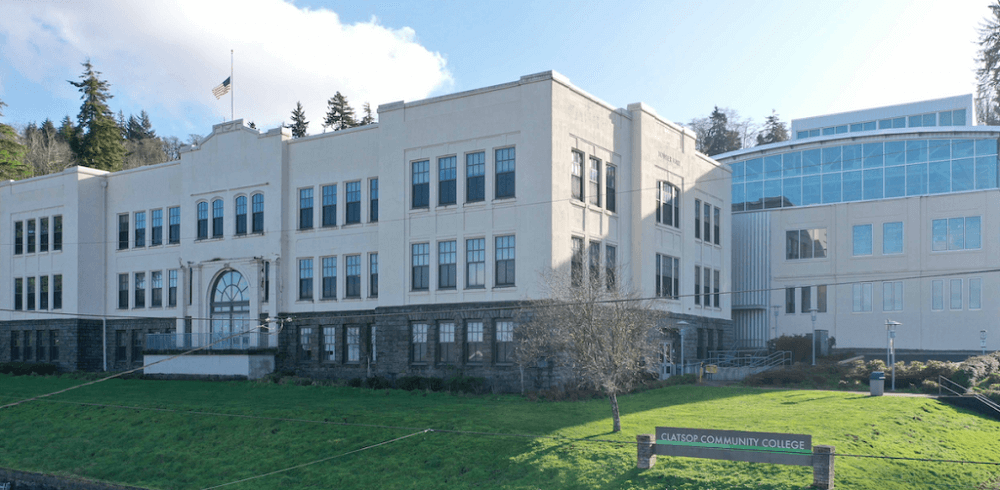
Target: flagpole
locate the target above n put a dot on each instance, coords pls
(232, 89)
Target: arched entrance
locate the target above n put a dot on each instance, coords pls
(231, 310)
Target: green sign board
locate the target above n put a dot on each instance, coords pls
(731, 445)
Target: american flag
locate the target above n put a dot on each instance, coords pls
(222, 89)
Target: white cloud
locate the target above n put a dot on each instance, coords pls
(170, 55)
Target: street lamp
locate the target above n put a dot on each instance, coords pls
(776, 309)
(681, 324)
(982, 340)
(890, 348)
(813, 311)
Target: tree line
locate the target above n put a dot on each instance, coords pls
(724, 130)
(339, 115)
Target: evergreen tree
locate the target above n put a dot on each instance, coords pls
(48, 128)
(122, 124)
(774, 130)
(139, 128)
(98, 143)
(11, 153)
(67, 131)
(339, 114)
(988, 73)
(299, 123)
(369, 118)
(719, 137)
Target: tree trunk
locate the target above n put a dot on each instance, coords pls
(615, 416)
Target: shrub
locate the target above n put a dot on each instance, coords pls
(799, 346)
(465, 384)
(354, 382)
(26, 368)
(408, 383)
(378, 383)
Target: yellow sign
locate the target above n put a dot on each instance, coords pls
(711, 369)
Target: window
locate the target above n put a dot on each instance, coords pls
(447, 173)
(668, 277)
(373, 197)
(305, 343)
(418, 346)
(40, 345)
(956, 233)
(611, 267)
(697, 219)
(718, 221)
(697, 284)
(576, 180)
(806, 305)
(715, 297)
(15, 345)
(447, 350)
(937, 295)
(373, 275)
(862, 240)
(140, 290)
(595, 181)
(217, 210)
(56, 233)
(257, 201)
(140, 229)
(668, 201)
(266, 274)
(805, 244)
(31, 236)
(862, 295)
(373, 353)
(609, 188)
(174, 233)
(505, 260)
(420, 266)
(122, 231)
(122, 291)
(306, 208)
(708, 223)
(789, 300)
(475, 263)
(29, 349)
(172, 288)
(241, 215)
(353, 203)
(137, 346)
(576, 263)
(474, 342)
(475, 177)
(956, 294)
(353, 344)
(975, 293)
(31, 294)
(594, 251)
(156, 232)
(57, 292)
(505, 173)
(505, 342)
(305, 279)
(708, 287)
(353, 264)
(421, 184)
(892, 238)
(18, 237)
(121, 346)
(821, 299)
(202, 220)
(330, 205)
(329, 343)
(53, 345)
(447, 255)
(156, 284)
(43, 234)
(18, 293)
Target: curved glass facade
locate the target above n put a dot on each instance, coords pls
(864, 171)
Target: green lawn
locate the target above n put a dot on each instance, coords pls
(163, 449)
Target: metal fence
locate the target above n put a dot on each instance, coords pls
(211, 341)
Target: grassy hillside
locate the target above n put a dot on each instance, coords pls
(185, 450)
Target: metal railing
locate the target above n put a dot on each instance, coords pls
(959, 390)
(751, 359)
(213, 341)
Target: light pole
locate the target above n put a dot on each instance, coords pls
(982, 340)
(890, 348)
(813, 311)
(774, 328)
(680, 324)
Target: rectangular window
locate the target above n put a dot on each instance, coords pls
(217, 214)
(806, 305)
(329, 344)
(697, 284)
(447, 258)
(137, 346)
(122, 291)
(610, 181)
(789, 300)
(29, 348)
(156, 289)
(668, 200)
(975, 293)
(418, 346)
(15, 345)
(122, 231)
(241, 215)
(57, 292)
(708, 223)
(937, 295)
(862, 240)
(18, 293)
(139, 300)
(56, 233)
(697, 219)
(172, 288)
(31, 236)
(862, 296)
(420, 266)
(43, 234)
(174, 217)
(39, 345)
(667, 276)
(611, 267)
(821, 299)
(156, 237)
(305, 279)
(707, 287)
(475, 263)
(140, 229)
(892, 238)
(447, 173)
(31, 294)
(373, 352)
(892, 296)
(805, 244)
(353, 203)
(956, 233)
(505, 258)
(576, 178)
(353, 265)
(447, 349)
(53, 345)
(257, 218)
(373, 198)
(474, 342)
(18, 237)
(956, 294)
(353, 344)
(715, 297)
(475, 177)
(594, 251)
(576, 262)
(330, 205)
(718, 222)
(305, 208)
(595, 181)
(421, 184)
(505, 342)
(266, 273)
(505, 173)
(373, 275)
(305, 343)
(43, 293)
(202, 220)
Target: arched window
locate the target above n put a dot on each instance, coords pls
(230, 308)
(202, 220)
(241, 215)
(258, 213)
(217, 208)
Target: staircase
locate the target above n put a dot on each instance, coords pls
(736, 365)
(955, 394)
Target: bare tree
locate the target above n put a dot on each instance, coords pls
(600, 329)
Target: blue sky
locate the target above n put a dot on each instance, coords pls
(682, 58)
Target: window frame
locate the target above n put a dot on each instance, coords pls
(156, 227)
(139, 237)
(202, 219)
(576, 176)
(503, 346)
(447, 180)
(306, 208)
(420, 187)
(373, 200)
(447, 264)
(241, 217)
(257, 213)
(594, 181)
(218, 218)
(352, 195)
(867, 248)
(668, 209)
(329, 212)
(173, 229)
(373, 275)
(123, 231)
(420, 272)
(305, 279)
(352, 276)
(610, 185)
(475, 262)
(505, 265)
(475, 176)
(419, 338)
(505, 178)
(329, 277)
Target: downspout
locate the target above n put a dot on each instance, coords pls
(104, 305)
